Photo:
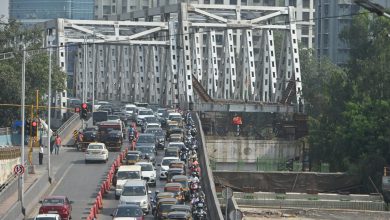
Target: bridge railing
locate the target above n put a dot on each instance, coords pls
(214, 210)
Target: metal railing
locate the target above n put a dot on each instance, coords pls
(65, 125)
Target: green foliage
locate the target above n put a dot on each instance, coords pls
(349, 109)
(12, 37)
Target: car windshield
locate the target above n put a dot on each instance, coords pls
(132, 156)
(153, 131)
(171, 153)
(153, 126)
(165, 207)
(145, 150)
(95, 147)
(134, 191)
(146, 167)
(166, 162)
(146, 139)
(130, 109)
(129, 212)
(145, 113)
(128, 175)
(53, 201)
(152, 120)
(112, 117)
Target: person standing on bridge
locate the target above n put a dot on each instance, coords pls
(40, 155)
(237, 122)
(57, 144)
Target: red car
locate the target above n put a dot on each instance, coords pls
(56, 204)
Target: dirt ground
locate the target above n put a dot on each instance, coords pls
(311, 214)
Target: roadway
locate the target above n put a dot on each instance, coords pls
(110, 203)
(79, 181)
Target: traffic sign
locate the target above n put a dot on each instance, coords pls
(227, 193)
(18, 169)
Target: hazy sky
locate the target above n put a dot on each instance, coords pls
(4, 7)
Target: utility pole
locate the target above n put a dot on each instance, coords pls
(21, 176)
(48, 119)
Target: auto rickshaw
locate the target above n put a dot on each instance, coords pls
(177, 164)
(175, 188)
(183, 180)
(158, 196)
(173, 172)
(179, 215)
(132, 157)
(164, 207)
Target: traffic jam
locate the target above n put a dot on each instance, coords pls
(159, 175)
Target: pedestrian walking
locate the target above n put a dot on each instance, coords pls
(40, 155)
(57, 144)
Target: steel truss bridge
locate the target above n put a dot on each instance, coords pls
(211, 57)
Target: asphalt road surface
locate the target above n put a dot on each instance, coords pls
(79, 181)
(110, 203)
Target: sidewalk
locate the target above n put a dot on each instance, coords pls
(29, 180)
(40, 172)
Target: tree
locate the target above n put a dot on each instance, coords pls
(12, 36)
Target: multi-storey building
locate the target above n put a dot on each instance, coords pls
(35, 11)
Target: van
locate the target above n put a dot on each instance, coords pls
(136, 192)
(127, 172)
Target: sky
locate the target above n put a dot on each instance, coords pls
(4, 8)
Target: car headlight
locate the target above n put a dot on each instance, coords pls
(143, 202)
(153, 175)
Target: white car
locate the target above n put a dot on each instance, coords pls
(142, 113)
(164, 166)
(47, 217)
(136, 192)
(96, 152)
(148, 172)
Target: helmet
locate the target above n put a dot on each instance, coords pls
(196, 163)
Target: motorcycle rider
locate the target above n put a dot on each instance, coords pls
(133, 135)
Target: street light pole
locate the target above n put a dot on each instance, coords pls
(48, 119)
(21, 176)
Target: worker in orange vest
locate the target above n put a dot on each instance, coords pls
(237, 122)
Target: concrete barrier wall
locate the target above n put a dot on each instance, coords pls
(208, 185)
(234, 150)
(6, 168)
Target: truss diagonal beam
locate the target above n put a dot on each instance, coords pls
(144, 33)
(86, 30)
(205, 13)
(266, 17)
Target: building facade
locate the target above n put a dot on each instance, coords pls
(35, 11)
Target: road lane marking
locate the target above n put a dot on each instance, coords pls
(60, 180)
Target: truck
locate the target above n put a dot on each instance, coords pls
(111, 133)
(99, 117)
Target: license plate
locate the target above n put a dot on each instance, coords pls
(96, 152)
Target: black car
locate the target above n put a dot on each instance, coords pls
(159, 135)
(90, 136)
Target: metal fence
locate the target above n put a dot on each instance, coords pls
(316, 201)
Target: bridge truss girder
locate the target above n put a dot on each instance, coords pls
(230, 50)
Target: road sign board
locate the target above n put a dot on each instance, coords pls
(227, 193)
(18, 169)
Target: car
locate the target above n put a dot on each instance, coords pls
(147, 152)
(136, 192)
(47, 217)
(178, 144)
(164, 206)
(159, 135)
(124, 173)
(171, 152)
(60, 205)
(132, 157)
(96, 152)
(142, 113)
(148, 172)
(164, 166)
(127, 211)
(173, 172)
(114, 118)
(161, 112)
